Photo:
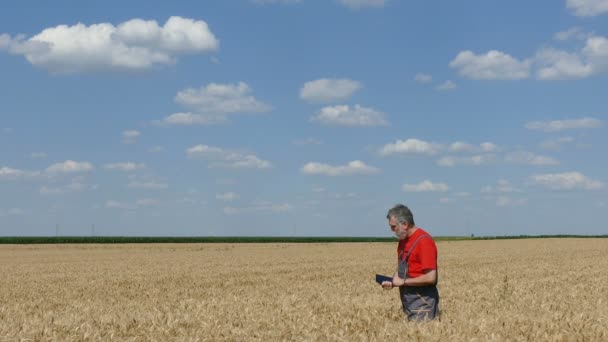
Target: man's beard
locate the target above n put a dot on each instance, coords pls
(401, 234)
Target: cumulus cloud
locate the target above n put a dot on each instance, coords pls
(529, 158)
(268, 2)
(358, 4)
(259, 207)
(566, 181)
(572, 33)
(355, 167)
(124, 166)
(130, 136)
(423, 78)
(504, 201)
(344, 115)
(12, 212)
(426, 186)
(212, 104)
(556, 144)
(502, 186)
(560, 125)
(227, 196)
(592, 59)
(493, 65)
(135, 44)
(75, 186)
(488, 147)
(11, 174)
(460, 146)
(475, 160)
(150, 185)
(328, 90)
(587, 8)
(38, 155)
(447, 85)
(410, 146)
(70, 166)
(219, 157)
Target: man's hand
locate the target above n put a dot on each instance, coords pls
(387, 285)
(398, 281)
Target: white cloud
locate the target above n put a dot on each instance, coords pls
(560, 125)
(148, 185)
(37, 155)
(587, 8)
(227, 196)
(504, 201)
(12, 212)
(488, 147)
(139, 203)
(70, 166)
(423, 78)
(556, 144)
(343, 115)
(502, 186)
(329, 90)
(219, 157)
(259, 207)
(212, 104)
(410, 146)
(268, 2)
(124, 166)
(355, 167)
(216, 98)
(74, 186)
(426, 186)
(447, 85)
(558, 65)
(358, 4)
(573, 32)
(529, 158)
(591, 60)
(10, 173)
(135, 44)
(494, 65)
(193, 119)
(111, 204)
(566, 181)
(475, 160)
(147, 202)
(132, 45)
(156, 149)
(307, 141)
(130, 136)
(460, 146)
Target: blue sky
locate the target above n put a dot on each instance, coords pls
(303, 118)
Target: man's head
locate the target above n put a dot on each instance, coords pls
(401, 221)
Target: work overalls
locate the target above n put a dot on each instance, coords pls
(419, 302)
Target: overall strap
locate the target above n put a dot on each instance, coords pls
(407, 257)
(412, 248)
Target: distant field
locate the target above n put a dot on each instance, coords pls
(493, 290)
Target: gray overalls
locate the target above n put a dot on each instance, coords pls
(419, 302)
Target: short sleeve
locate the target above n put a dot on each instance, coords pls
(428, 254)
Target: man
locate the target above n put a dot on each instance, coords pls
(416, 275)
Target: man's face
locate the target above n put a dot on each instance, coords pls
(400, 229)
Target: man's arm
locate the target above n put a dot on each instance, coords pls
(428, 278)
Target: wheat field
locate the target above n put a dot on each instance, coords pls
(502, 290)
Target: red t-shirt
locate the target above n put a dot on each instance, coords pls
(424, 256)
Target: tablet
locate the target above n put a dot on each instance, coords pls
(380, 278)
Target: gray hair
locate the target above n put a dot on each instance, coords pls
(402, 214)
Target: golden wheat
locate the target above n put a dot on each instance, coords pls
(515, 290)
